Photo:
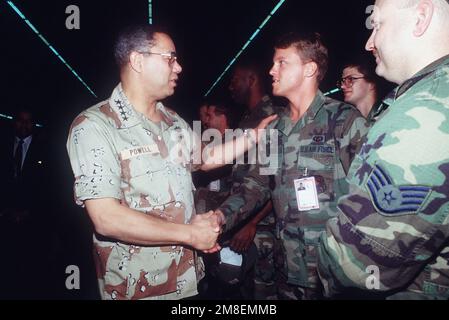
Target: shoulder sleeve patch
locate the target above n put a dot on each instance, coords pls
(392, 200)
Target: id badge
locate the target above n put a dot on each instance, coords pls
(306, 194)
(214, 186)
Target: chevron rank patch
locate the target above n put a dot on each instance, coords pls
(392, 200)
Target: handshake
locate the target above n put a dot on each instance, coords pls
(205, 229)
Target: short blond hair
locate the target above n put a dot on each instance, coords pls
(310, 47)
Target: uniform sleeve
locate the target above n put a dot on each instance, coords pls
(94, 162)
(354, 131)
(371, 251)
(248, 198)
(394, 223)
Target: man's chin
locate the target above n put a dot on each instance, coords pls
(276, 93)
(383, 72)
(380, 70)
(170, 92)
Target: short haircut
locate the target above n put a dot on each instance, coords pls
(136, 38)
(406, 3)
(255, 66)
(441, 7)
(366, 65)
(310, 48)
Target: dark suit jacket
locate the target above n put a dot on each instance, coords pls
(28, 191)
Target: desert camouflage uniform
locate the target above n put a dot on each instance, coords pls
(321, 144)
(116, 152)
(393, 230)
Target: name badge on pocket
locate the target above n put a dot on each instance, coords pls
(138, 151)
(306, 194)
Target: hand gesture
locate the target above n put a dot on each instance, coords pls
(205, 231)
(243, 239)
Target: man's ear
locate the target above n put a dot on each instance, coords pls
(424, 13)
(311, 69)
(136, 61)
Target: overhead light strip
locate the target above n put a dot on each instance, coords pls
(5, 116)
(253, 36)
(21, 15)
(332, 91)
(150, 11)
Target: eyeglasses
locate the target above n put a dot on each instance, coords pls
(171, 56)
(348, 81)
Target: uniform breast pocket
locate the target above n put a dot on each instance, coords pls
(141, 165)
(146, 164)
(321, 166)
(147, 181)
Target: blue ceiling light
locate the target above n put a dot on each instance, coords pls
(332, 91)
(5, 116)
(150, 11)
(11, 4)
(253, 36)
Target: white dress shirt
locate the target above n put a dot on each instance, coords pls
(25, 146)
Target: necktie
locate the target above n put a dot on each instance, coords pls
(18, 159)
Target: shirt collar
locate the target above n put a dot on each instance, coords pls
(380, 108)
(25, 140)
(128, 116)
(284, 123)
(312, 111)
(317, 104)
(424, 73)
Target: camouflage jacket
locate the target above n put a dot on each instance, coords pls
(210, 196)
(250, 120)
(116, 152)
(322, 143)
(393, 231)
(377, 110)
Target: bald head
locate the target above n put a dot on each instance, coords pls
(411, 3)
(442, 12)
(440, 8)
(408, 35)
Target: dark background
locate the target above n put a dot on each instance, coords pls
(207, 34)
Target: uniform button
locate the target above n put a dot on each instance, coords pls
(159, 138)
